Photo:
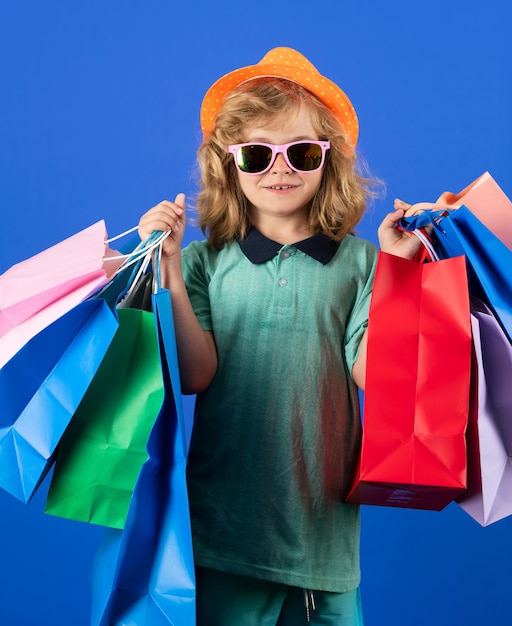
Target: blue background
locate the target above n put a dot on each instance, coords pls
(99, 109)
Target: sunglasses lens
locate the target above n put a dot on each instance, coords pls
(253, 159)
(305, 157)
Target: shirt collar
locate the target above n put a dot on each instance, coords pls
(259, 249)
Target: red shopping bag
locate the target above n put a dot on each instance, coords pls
(417, 385)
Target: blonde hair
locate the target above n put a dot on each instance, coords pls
(222, 207)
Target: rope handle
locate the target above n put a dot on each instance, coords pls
(426, 243)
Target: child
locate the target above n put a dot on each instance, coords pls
(270, 314)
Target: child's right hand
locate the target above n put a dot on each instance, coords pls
(166, 216)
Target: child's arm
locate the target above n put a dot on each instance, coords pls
(197, 353)
(359, 367)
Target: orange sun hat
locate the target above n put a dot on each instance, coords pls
(291, 65)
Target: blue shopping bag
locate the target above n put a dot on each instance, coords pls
(460, 232)
(144, 574)
(40, 388)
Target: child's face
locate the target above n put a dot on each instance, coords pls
(281, 192)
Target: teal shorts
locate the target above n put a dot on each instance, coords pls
(231, 600)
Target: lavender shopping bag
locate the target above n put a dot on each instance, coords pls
(488, 497)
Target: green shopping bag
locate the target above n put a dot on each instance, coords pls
(104, 447)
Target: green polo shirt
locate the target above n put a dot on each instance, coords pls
(277, 433)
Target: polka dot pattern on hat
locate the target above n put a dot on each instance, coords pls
(291, 65)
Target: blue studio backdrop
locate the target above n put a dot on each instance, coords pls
(99, 118)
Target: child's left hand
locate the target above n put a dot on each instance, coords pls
(402, 243)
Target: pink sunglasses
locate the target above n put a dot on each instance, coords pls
(300, 156)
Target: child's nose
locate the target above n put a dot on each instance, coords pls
(280, 165)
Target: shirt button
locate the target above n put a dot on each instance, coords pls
(283, 282)
(286, 254)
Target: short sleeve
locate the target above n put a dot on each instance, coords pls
(195, 274)
(358, 320)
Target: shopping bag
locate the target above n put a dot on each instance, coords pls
(459, 231)
(161, 302)
(104, 447)
(489, 203)
(37, 291)
(489, 262)
(145, 575)
(43, 383)
(40, 388)
(488, 497)
(417, 385)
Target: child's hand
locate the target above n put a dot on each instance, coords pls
(166, 216)
(402, 243)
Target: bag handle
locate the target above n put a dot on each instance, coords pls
(427, 243)
(151, 251)
(141, 250)
(416, 224)
(123, 282)
(423, 219)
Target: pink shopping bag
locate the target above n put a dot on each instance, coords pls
(485, 199)
(36, 292)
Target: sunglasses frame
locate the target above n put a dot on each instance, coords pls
(280, 149)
